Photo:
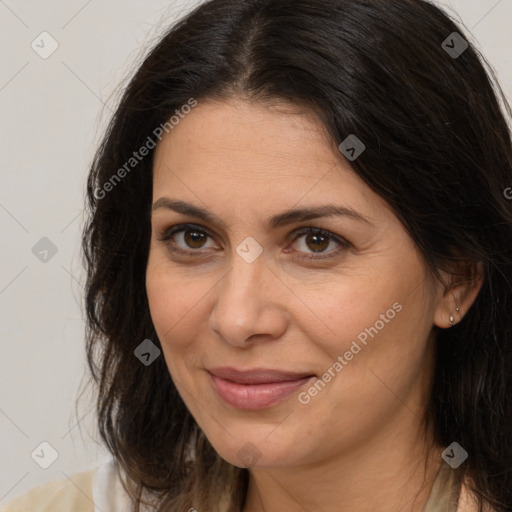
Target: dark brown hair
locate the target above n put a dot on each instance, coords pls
(438, 150)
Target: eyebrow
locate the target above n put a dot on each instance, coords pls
(273, 222)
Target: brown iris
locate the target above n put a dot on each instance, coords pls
(194, 239)
(316, 239)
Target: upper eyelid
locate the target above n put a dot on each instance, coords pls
(177, 228)
(298, 232)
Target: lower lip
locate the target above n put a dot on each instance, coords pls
(255, 396)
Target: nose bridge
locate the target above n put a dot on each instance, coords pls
(245, 303)
(247, 270)
(243, 287)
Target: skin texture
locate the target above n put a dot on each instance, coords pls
(359, 443)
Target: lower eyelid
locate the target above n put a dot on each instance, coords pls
(340, 241)
(169, 239)
(166, 236)
(326, 251)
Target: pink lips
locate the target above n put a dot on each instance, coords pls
(256, 388)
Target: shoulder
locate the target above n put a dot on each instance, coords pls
(73, 493)
(452, 492)
(467, 501)
(96, 490)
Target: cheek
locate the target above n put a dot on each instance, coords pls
(381, 319)
(168, 308)
(170, 300)
(344, 308)
(383, 345)
(178, 305)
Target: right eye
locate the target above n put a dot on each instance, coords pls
(184, 238)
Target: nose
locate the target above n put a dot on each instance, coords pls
(248, 305)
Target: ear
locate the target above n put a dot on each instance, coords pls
(461, 289)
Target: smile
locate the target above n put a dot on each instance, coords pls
(255, 389)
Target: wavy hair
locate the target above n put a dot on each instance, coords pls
(438, 150)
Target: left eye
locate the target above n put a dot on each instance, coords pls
(318, 241)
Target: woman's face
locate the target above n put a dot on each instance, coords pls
(287, 347)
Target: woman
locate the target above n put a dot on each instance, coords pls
(300, 269)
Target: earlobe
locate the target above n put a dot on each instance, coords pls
(458, 297)
(447, 314)
(452, 318)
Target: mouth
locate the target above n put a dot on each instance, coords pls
(256, 388)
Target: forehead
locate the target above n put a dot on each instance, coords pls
(250, 153)
(237, 138)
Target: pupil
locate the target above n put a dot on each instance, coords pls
(193, 237)
(316, 238)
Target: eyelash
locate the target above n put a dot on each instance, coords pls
(167, 234)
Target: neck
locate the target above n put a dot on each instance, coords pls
(394, 471)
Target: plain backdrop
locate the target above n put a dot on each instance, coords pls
(53, 111)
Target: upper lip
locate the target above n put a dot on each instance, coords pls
(257, 375)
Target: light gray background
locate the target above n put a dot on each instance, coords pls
(53, 111)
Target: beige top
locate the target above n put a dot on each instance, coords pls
(100, 491)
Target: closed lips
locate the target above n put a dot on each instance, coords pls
(256, 388)
(258, 375)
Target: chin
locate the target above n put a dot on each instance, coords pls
(252, 448)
